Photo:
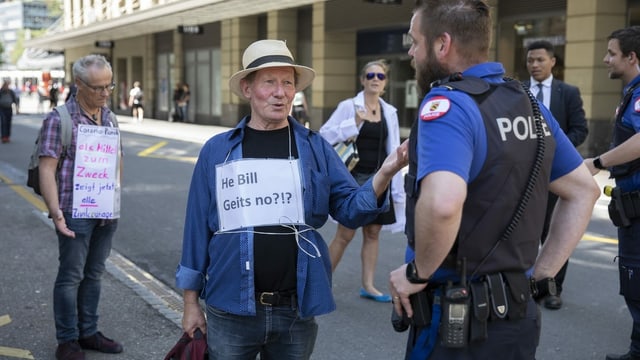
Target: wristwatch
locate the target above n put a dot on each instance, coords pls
(598, 163)
(412, 274)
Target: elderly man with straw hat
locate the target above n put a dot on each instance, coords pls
(258, 193)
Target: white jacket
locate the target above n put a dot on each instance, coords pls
(342, 126)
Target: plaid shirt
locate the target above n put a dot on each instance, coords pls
(51, 146)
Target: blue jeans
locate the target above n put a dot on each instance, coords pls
(77, 289)
(275, 333)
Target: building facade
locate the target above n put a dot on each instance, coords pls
(165, 42)
(16, 16)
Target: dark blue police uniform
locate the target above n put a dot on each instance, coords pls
(489, 139)
(627, 177)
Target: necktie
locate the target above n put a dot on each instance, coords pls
(540, 96)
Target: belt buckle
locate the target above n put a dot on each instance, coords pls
(262, 295)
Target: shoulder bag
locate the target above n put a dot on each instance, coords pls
(347, 150)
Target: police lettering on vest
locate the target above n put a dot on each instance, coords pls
(522, 128)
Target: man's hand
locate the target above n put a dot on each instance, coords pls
(193, 316)
(396, 160)
(61, 224)
(401, 288)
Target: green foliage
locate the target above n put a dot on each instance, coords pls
(54, 7)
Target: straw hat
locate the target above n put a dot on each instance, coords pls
(264, 54)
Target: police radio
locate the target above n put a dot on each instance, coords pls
(454, 325)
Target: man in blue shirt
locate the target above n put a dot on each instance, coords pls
(483, 155)
(257, 195)
(623, 62)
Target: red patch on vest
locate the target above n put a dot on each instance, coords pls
(435, 108)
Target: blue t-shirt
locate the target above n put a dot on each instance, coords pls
(454, 137)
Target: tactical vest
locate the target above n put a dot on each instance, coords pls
(492, 197)
(622, 133)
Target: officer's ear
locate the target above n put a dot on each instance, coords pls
(442, 45)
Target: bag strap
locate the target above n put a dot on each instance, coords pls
(65, 127)
(114, 119)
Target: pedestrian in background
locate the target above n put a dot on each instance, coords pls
(84, 243)
(300, 110)
(187, 101)
(623, 161)
(7, 99)
(136, 96)
(53, 95)
(43, 96)
(466, 179)
(565, 104)
(268, 304)
(180, 101)
(374, 124)
(73, 88)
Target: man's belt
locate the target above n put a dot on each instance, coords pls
(275, 298)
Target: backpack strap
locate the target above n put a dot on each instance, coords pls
(65, 127)
(114, 119)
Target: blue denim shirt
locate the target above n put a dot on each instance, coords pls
(220, 266)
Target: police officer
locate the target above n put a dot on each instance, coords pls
(473, 150)
(623, 160)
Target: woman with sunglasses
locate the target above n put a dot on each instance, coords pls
(374, 124)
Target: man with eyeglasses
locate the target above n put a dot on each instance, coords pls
(84, 237)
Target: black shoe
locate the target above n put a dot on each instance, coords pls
(553, 302)
(100, 343)
(70, 350)
(627, 356)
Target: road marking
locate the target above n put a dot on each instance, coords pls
(4, 320)
(149, 152)
(606, 240)
(25, 193)
(13, 352)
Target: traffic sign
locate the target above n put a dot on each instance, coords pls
(190, 29)
(108, 44)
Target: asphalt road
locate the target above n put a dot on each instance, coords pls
(158, 164)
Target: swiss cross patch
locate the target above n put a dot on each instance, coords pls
(636, 106)
(435, 108)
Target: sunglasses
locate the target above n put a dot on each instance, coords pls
(371, 75)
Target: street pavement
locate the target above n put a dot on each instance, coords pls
(144, 314)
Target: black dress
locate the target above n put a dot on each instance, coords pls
(372, 150)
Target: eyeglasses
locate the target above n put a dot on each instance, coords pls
(371, 75)
(99, 89)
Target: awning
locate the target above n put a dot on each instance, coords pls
(37, 59)
(157, 19)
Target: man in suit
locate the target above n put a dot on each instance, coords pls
(565, 104)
